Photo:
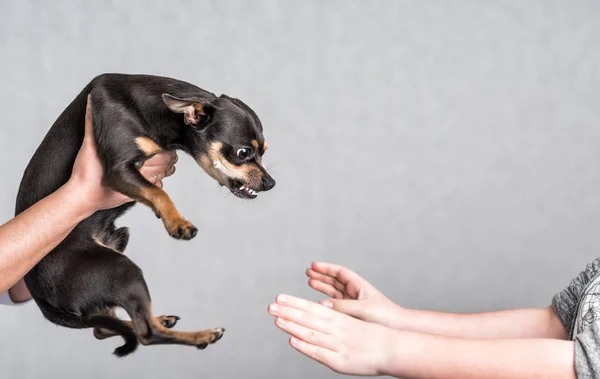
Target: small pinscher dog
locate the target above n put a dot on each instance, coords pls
(85, 278)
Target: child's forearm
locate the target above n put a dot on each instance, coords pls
(417, 355)
(517, 323)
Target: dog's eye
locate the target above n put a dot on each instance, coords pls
(243, 153)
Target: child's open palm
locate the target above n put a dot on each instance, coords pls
(352, 295)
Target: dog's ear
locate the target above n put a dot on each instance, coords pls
(192, 108)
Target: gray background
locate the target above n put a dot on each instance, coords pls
(447, 151)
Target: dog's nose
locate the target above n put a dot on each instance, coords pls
(268, 183)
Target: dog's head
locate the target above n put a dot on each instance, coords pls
(226, 140)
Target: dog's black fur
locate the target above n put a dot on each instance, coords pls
(82, 281)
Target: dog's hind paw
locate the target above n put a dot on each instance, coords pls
(208, 337)
(168, 321)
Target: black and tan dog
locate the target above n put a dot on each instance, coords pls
(84, 279)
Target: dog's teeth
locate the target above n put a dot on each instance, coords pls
(242, 188)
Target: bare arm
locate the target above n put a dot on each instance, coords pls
(417, 355)
(515, 323)
(353, 295)
(348, 345)
(27, 238)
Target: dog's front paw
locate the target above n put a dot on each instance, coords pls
(181, 229)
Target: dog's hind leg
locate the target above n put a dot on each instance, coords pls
(101, 333)
(158, 334)
(116, 327)
(150, 330)
(106, 323)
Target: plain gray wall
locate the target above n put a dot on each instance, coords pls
(446, 151)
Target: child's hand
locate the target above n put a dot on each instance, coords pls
(354, 347)
(352, 294)
(340, 342)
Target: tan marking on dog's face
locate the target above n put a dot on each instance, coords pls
(148, 146)
(265, 146)
(255, 143)
(220, 169)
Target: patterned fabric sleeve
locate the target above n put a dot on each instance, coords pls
(578, 308)
(566, 302)
(587, 353)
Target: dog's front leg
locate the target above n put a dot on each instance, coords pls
(128, 180)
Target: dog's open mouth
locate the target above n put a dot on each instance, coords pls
(242, 190)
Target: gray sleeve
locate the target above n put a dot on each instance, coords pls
(566, 301)
(587, 353)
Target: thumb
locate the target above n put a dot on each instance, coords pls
(354, 308)
(88, 137)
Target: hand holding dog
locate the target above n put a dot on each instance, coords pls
(87, 171)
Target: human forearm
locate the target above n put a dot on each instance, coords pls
(27, 238)
(516, 323)
(353, 295)
(419, 355)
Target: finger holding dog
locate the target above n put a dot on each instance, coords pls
(162, 158)
(87, 170)
(160, 166)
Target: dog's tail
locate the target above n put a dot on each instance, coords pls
(119, 327)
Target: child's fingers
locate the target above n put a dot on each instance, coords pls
(308, 335)
(302, 317)
(354, 308)
(342, 274)
(326, 289)
(288, 302)
(326, 279)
